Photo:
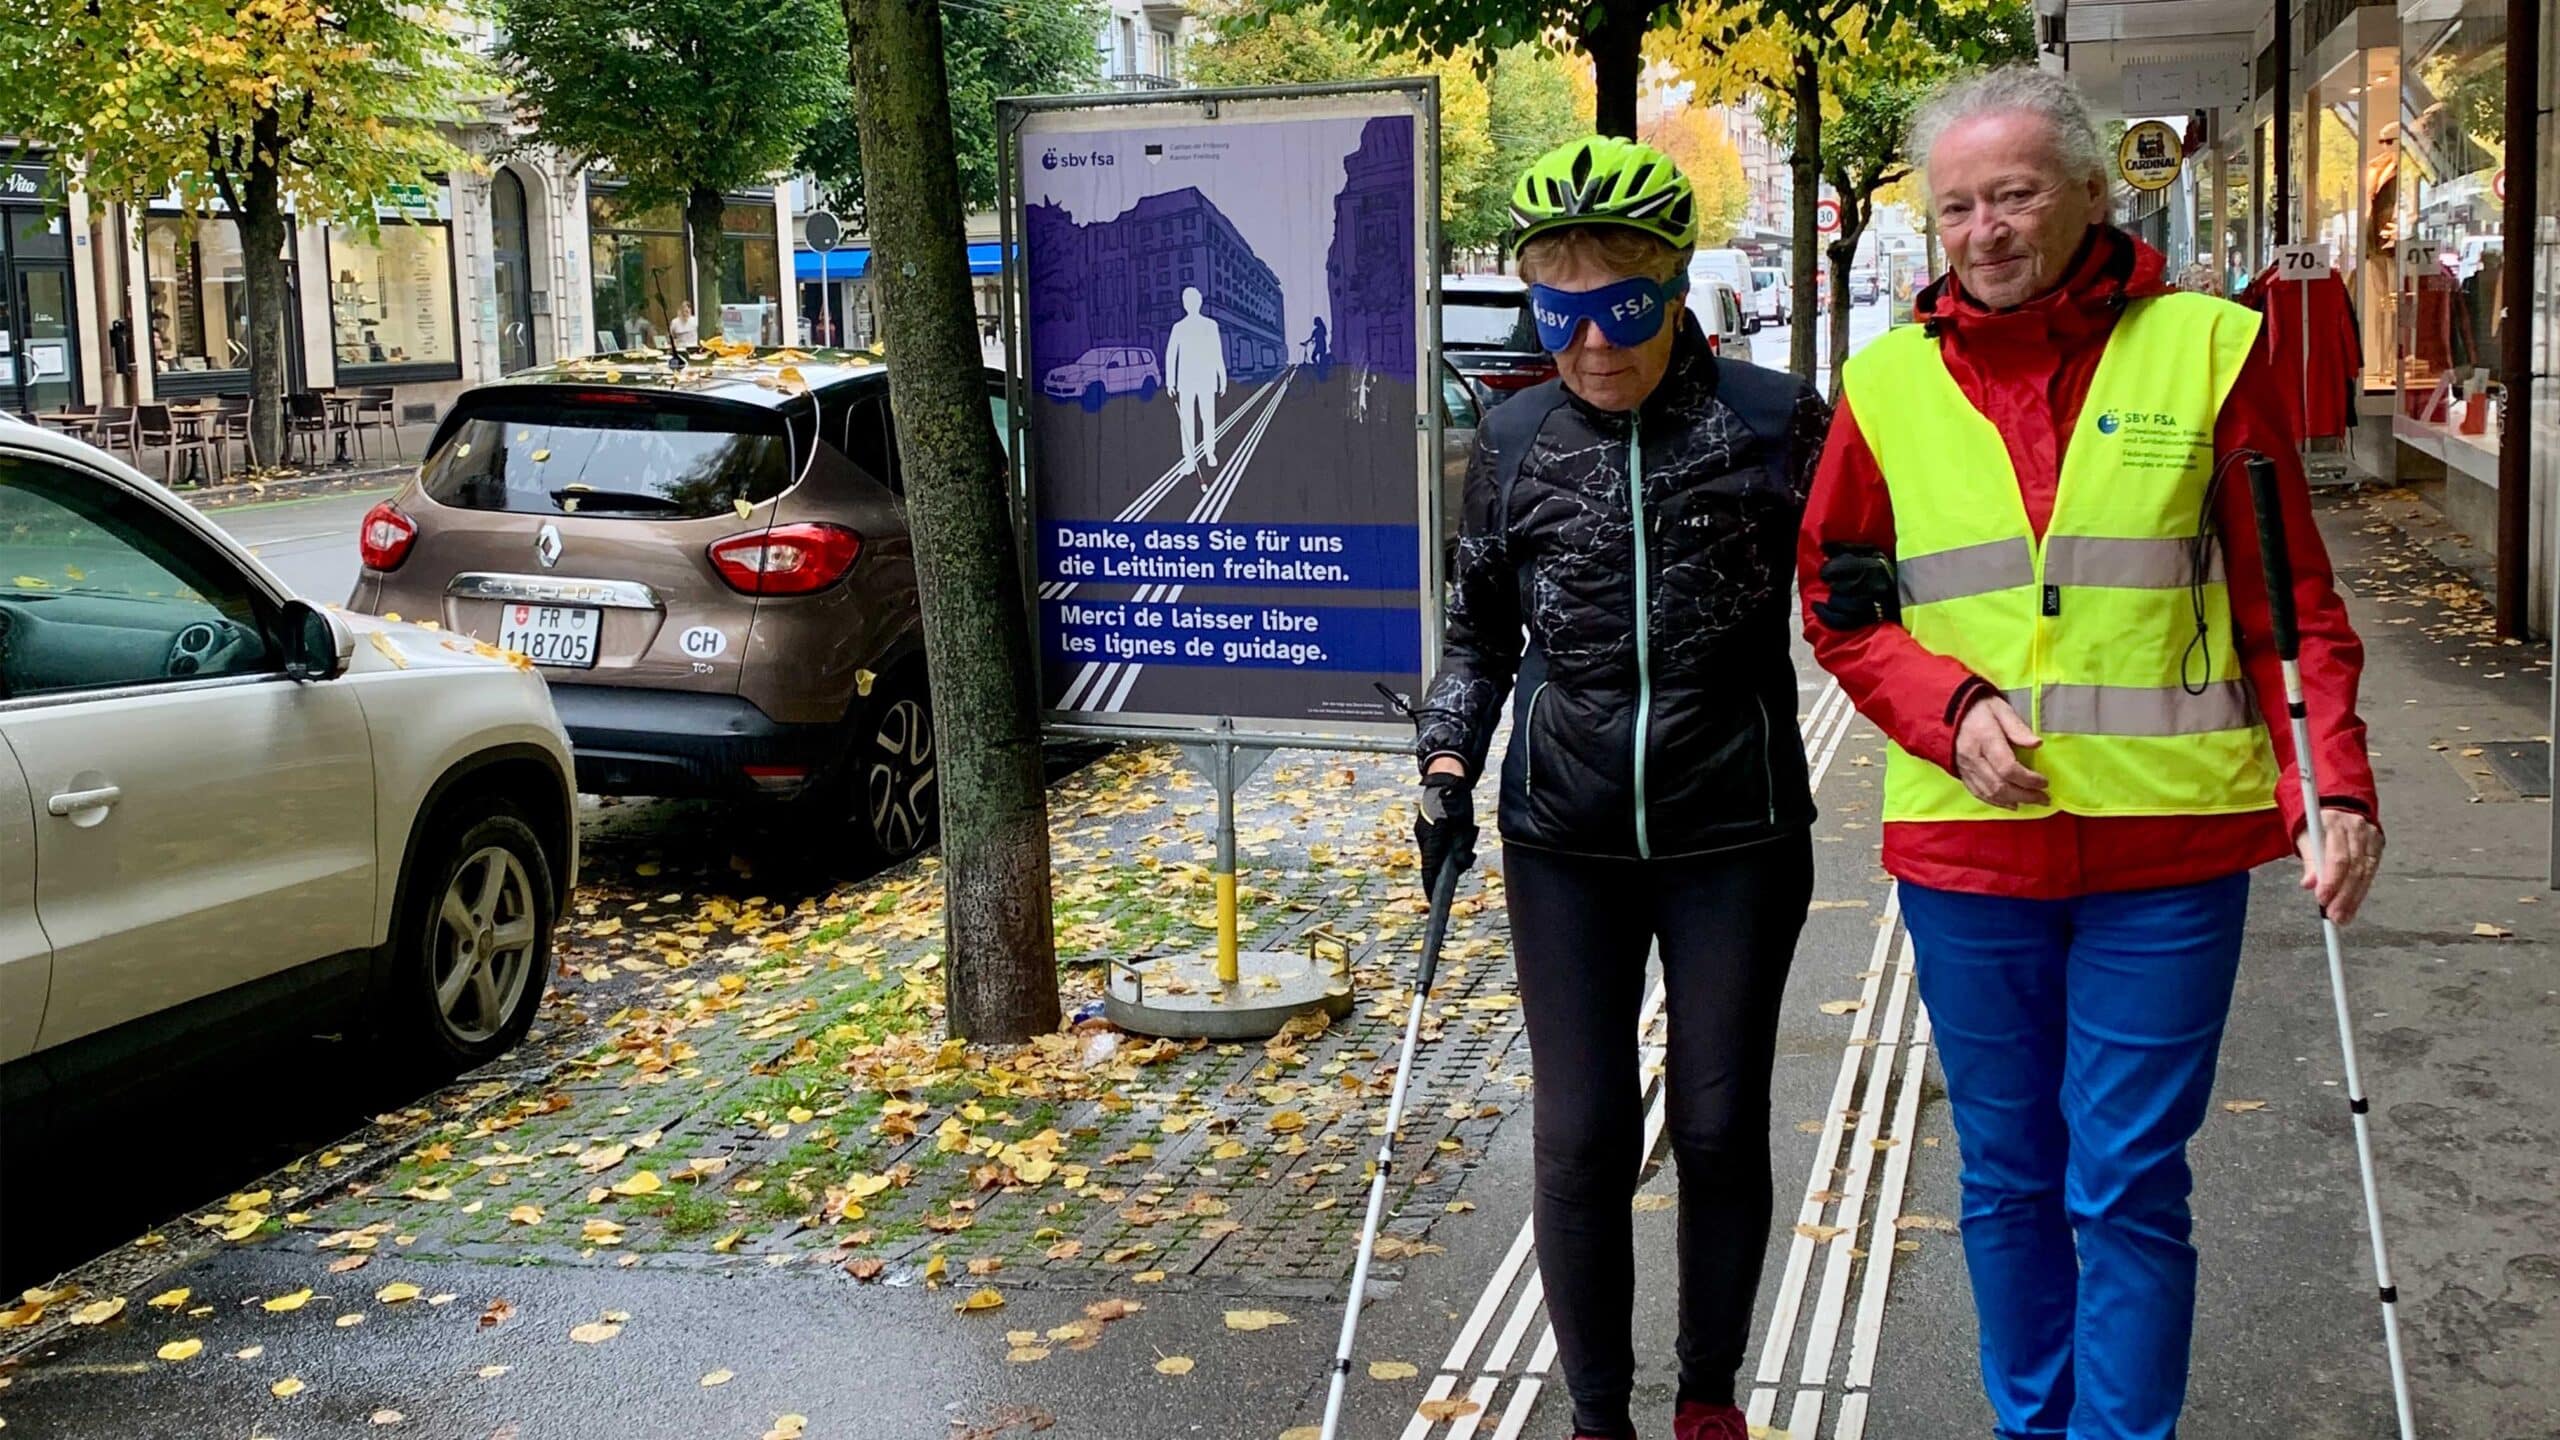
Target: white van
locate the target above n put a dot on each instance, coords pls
(1733, 267)
(1770, 294)
(1722, 314)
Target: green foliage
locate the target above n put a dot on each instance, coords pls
(1493, 120)
(991, 50)
(337, 101)
(676, 96)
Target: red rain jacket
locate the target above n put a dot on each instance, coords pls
(2027, 370)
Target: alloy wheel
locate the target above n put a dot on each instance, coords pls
(898, 778)
(483, 949)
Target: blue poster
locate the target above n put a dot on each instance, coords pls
(1223, 334)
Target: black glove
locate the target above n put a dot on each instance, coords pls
(1863, 588)
(1447, 820)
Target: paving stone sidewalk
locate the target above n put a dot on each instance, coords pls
(775, 1092)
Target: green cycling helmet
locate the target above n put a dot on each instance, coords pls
(1604, 180)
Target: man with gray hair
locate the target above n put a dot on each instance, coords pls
(2027, 562)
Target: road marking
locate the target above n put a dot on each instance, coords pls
(1095, 680)
(1825, 728)
(1230, 476)
(1137, 509)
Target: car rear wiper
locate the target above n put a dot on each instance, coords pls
(612, 499)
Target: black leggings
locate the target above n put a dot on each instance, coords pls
(1580, 932)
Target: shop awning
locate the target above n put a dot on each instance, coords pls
(854, 262)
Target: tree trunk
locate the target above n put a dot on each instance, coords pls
(262, 230)
(1000, 971)
(1843, 251)
(1616, 48)
(1806, 164)
(702, 215)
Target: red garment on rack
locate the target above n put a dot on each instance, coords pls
(2318, 404)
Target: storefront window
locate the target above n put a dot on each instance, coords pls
(2453, 110)
(2356, 160)
(641, 272)
(750, 273)
(391, 301)
(199, 291)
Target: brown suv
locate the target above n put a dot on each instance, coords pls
(707, 557)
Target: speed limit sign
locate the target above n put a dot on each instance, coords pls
(1826, 216)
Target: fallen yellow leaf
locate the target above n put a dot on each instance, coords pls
(1654, 1200)
(718, 1377)
(595, 1332)
(396, 1291)
(1174, 1365)
(1842, 1007)
(102, 1311)
(1446, 1409)
(388, 1417)
(1392, 1370)
(286, 1388)
(1255, 1319)
(492, 1372)
(181, 1350)
(984, 1299)
(645, 1182)
(169, 1299)
(1820, 1234)
(252, 1353)
(2243, 1107)
(284, 1304)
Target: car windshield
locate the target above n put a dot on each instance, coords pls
(1486, 322)
(617, 454)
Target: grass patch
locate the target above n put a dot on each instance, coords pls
(682, 1212)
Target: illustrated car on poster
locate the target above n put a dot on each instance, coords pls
(1103, 372)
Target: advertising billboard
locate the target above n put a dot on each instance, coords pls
(1223, 353)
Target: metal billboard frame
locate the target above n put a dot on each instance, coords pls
(1224, 733)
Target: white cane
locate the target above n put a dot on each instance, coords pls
(2288, 637)
(1444, 890)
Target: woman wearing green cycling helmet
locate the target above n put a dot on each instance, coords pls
(1623, 566)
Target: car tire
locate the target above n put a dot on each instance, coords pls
(880, 801)
(1147, 391)
(1094, 395)
(471, 954)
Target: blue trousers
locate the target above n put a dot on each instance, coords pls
(2078, 1039)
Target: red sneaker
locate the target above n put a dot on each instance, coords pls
(1696, 1421)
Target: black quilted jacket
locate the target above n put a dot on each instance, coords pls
(1671, 737)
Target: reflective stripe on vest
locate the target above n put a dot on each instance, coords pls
(2092, 634)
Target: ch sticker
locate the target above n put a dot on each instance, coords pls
(705, 642)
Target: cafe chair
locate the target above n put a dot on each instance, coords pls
(117, 428)
(306, 418)
(375, 410)
(159, 431)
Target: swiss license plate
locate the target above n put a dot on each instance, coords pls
(562, 635)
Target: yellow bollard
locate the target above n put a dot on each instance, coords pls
(1227, 927)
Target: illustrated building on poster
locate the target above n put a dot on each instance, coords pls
(1120, 282)
(1369, 269)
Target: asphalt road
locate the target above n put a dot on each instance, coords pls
(1769, 347)
(310, 544)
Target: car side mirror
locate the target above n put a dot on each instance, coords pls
(317, 644)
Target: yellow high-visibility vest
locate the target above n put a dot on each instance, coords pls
(2093, 634)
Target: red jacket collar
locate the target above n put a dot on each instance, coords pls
(2112, 268)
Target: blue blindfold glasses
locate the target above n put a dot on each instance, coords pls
(1626, 314)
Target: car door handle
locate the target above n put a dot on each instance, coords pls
(72, 802)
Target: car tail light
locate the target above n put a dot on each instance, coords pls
(385, 536)
(1510, 379)
(787, 559)
(1715, 344)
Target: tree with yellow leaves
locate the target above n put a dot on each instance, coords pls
(1496, 115)
(1844, 74)
(1695, 139)
(324, 109)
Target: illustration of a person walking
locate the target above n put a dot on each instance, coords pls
(1195, 374)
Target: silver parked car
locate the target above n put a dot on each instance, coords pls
(226, 811)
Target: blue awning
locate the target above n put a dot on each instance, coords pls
(854, 262)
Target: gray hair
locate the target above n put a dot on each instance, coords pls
(2047, 94)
